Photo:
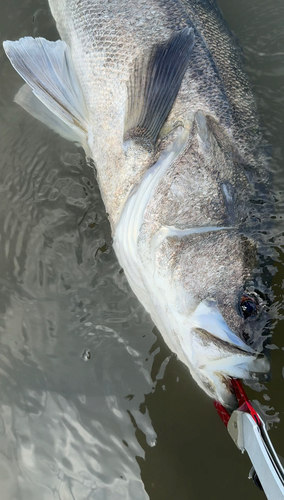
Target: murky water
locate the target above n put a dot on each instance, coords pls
(92, 403)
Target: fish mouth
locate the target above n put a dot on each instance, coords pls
(207, 317)
(216, 354)
(217, 361)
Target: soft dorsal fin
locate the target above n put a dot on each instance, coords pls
(154, 85)
(47, 68)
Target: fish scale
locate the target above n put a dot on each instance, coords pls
(169, 119)
(108, 37)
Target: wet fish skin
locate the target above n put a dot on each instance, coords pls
(181, 211)
(106, 37)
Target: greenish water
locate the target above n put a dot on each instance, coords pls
(129, 422)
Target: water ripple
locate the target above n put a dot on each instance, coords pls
(128, 422)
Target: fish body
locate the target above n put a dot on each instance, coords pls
(105, 40)
(162, 105)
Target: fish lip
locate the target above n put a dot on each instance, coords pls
(212, 339)
(209, 339)
(208, 317)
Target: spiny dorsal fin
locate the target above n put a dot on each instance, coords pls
(154, 85)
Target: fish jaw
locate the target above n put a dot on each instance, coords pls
(215, 354)
(206, 345)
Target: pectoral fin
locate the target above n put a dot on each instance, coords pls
(154, 85)
(47, 68)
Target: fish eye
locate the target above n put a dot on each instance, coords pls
(249, 305)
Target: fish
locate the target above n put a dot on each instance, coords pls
(155, 93)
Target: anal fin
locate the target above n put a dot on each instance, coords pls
(48, 69)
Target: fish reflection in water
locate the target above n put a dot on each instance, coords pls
(161, 104)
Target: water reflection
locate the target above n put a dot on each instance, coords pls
(68, 426)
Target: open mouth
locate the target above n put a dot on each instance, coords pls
(216, 354)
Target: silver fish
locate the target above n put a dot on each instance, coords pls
(155, 92)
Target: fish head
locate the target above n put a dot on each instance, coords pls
(207, 266)
(220, 316)
(209, 313)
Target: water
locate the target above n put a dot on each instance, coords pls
(93, 405)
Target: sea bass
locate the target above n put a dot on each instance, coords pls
(155, 92)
